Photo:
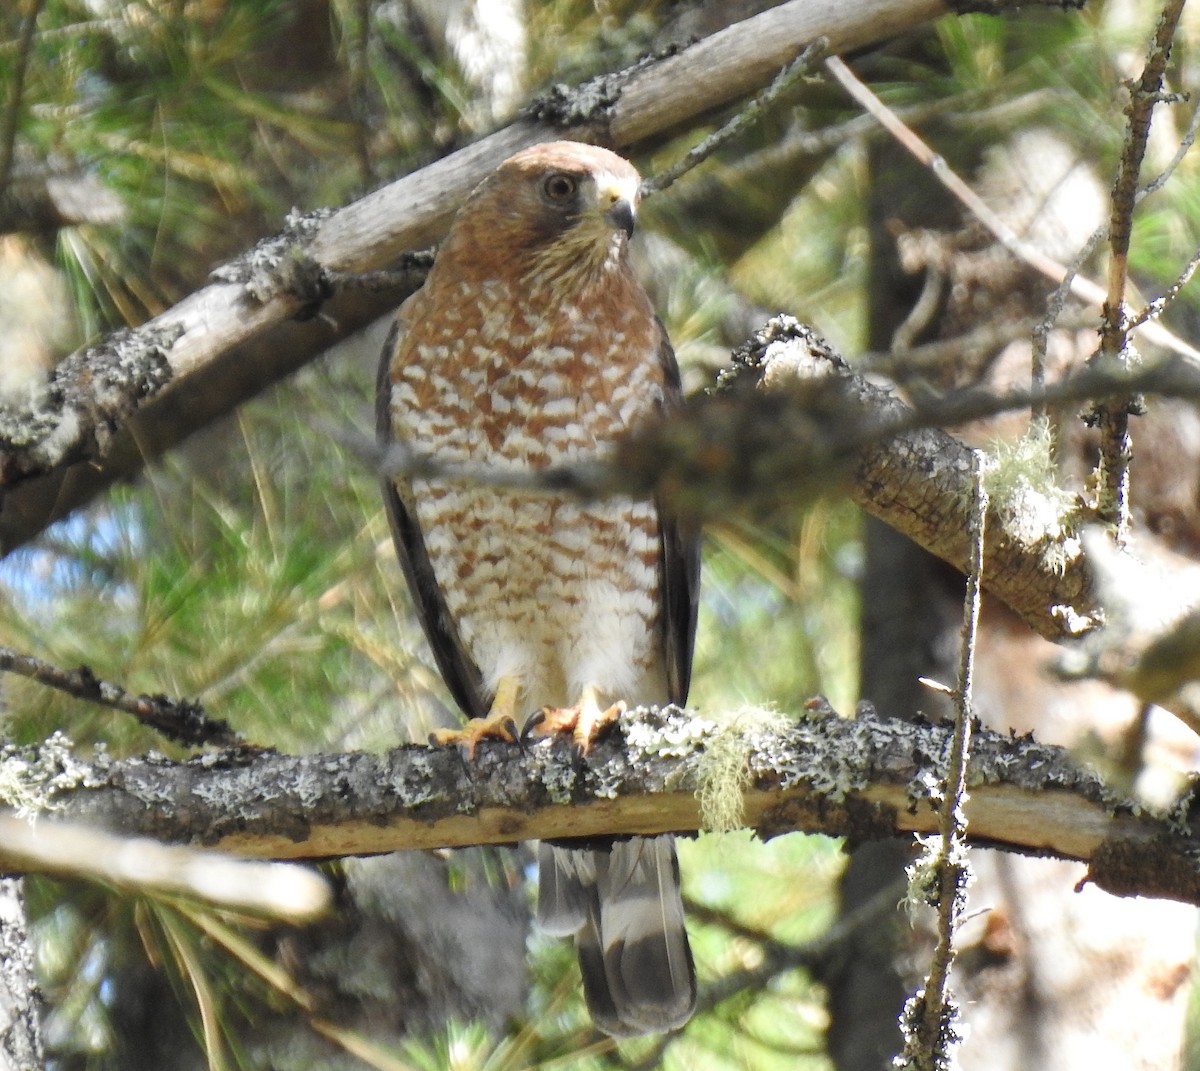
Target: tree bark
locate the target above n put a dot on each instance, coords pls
(20, 998)
(863, 778)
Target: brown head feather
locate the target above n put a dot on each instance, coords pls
(510, 228)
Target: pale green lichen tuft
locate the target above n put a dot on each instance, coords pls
(923, 888)
(723, 771)
(1021, 482)
(30, 778)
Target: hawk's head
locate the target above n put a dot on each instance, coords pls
(557, 214)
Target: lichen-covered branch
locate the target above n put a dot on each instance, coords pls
(21, 1033)
(862, 778)
(229, 340)
(794, 421)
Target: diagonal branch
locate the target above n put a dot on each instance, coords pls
(863, 778)
(815, 425)
(181, 720)
(229, 340)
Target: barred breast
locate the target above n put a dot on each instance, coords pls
(557, 592)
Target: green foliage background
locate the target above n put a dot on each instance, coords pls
(251, 568)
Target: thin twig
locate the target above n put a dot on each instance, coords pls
(1158, 306)
(1054, 310)
(1185, 145)
(16, 94)
(931, 1033)
(750, 113)
(1152, 309)
(984, 339)
(181, 720)
(1083, 288)
(1116, 444)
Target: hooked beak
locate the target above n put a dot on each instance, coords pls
(620, 215)
(616, 200)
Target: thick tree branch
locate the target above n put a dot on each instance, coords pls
(863, 778)
(134, 397)
(808, 423)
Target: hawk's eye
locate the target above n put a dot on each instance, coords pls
(560, 187)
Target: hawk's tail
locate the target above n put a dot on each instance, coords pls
(623, 904)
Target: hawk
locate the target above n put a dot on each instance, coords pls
(532, 343)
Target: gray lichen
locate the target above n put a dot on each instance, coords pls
(76, 412)
(556, 772)
(281, 264)
(31, 778)
(833, 757)
(666, 732)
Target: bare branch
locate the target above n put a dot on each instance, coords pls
(1116, 445)
(753, 111)
(220, 345)
(1054, 309)
(861, 777)
(1082, 288)
(1159, 305)
(180, 720)
(929, 1020)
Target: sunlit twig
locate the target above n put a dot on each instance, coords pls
(750, 113)
(929, 1016)
(1116, 446)
(1080, 286)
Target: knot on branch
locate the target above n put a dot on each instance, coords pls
(282, 265)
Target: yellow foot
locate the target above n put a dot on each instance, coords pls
(499, 725)
(586, 722)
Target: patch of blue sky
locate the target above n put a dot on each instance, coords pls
(81, 552)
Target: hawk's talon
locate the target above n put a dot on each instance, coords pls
(500, 726)
(585, 722)
(535, 719)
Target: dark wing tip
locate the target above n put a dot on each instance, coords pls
(679, 560)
